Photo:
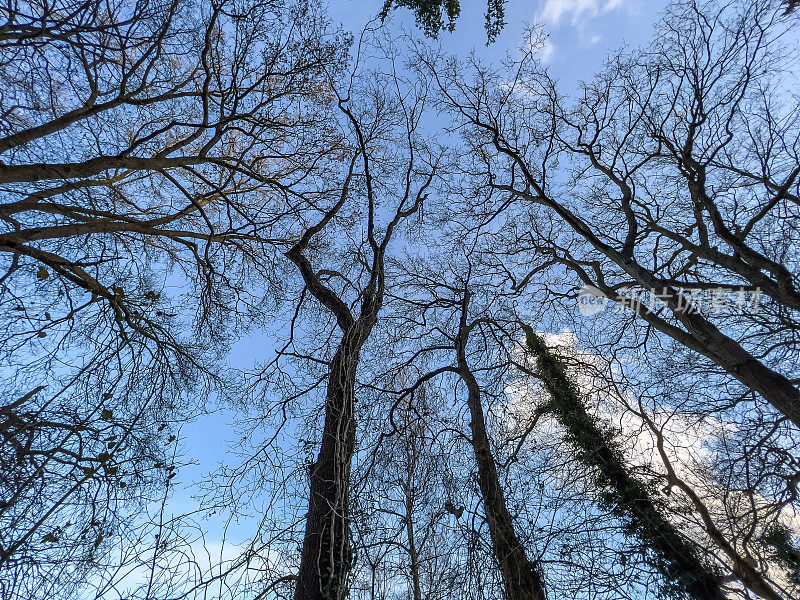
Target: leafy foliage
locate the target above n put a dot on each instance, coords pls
(430, 15)
(780, 539)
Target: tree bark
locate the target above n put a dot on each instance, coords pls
(521, 577)
(327, 555)
(94, 166)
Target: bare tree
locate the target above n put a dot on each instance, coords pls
(149, 149)
(405, 499)
(661, 179)
(522, 577)
(380, 191)
(723, 522)
(447, 339)
(174, 173)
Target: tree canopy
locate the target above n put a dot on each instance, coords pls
(470, 336)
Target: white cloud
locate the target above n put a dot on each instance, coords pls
(582, 15)
(545, 51)
(579, 11)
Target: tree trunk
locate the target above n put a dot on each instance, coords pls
(327, 556)
(521, 577)
(675, 557)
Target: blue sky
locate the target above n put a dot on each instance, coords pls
(581, 32)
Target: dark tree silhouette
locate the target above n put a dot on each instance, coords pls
(430, 15)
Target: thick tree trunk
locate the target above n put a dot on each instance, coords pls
(675, 556)
(94, 166)
(704, 337)
(520, 576)
(729, 354)
(327, 556)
